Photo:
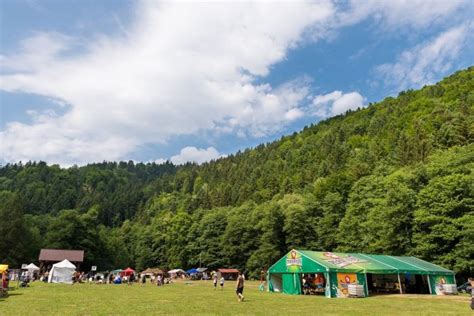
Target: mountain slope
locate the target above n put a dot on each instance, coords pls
(395, 178)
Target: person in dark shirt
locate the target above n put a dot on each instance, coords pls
(239, 287)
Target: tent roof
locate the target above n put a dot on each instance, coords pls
(64, 264)
(32, 266)
(153, 270)
(201, 269)
(129, 270)
(228, 270)
(355, 262)
(193, 270)
(61, 254)
(176, 271)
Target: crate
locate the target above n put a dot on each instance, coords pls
(450, 289)
(356, 290)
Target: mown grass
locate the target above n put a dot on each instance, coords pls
(199, 298)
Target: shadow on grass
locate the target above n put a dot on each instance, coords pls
(14, 294)
(9, 295)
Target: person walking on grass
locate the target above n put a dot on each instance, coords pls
(214, 281)
(131, 279)
(222, 283)
(239, 287)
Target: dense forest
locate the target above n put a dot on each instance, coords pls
(396, 177)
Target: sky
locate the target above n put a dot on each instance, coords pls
(85, 81)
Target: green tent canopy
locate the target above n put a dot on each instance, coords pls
(285, 275)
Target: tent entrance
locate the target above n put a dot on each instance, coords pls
(389, 284)
(383, 284)
(313, 283)
(415, 283)
(275, 282)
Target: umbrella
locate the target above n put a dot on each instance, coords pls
(3, 268)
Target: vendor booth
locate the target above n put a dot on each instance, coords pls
(357, 275)
(127, 272)
(32, 269)
(116, 271)
(197, 273)
(177, 273)
(153, 271)
(62, 272)
(228, 274)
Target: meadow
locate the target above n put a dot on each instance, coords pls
(199, 298)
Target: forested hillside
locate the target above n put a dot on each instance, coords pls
(393, 178)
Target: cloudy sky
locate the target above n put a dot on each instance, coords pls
(91, 80)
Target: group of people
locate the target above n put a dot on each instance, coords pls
(159, 280)
(312, 284)
(239, 286)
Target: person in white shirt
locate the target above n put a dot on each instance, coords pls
(222, 283)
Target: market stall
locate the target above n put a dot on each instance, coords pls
(32, 269)
(355, 274)
(62, 272)
(228, 274)
(127, 272)
(177, 273)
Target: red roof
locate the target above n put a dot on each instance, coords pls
(61, 254)
(228, 270)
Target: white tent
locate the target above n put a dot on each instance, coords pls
(31, 268)
(62, 272)
(176, 271)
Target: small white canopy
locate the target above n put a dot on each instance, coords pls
(62, 272)
(176, 271)
(64, 264)
(32, 267)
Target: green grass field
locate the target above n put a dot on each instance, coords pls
(199, 298)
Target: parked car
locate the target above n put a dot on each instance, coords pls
(465, 288)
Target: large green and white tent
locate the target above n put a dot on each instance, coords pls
(285, 275)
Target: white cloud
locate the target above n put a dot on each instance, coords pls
(160, 161)
(336, 103)
(401, 14)
(193, 154)
(426, 62)
(181, 68)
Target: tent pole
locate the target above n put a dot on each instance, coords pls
(366, 285)
(329, 283)
(400, 284)
(429, 283)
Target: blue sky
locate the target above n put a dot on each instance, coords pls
(87, 81)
